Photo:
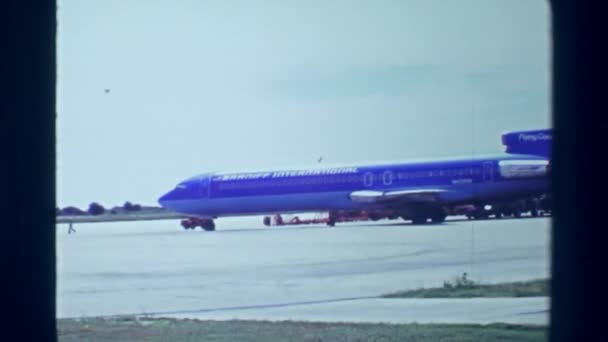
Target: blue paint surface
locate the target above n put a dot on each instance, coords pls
(537, 142)
(463, 180)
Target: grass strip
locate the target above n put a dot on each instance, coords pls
(132, 328)
(531, 288)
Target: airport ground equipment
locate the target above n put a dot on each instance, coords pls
(532, 206)
(333, 217)
(278, 220)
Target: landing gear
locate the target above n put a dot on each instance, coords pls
(480, 216)
(193, 222)
(188, 224)
(208, 225)
(438, 218)
(419, 220)
(420, 214)
(332, 218)
(374, 217)
(534, 212)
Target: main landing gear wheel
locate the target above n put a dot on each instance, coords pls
(480, 216)
(208, 225)
(534, 212)
(419, 220)
(439, 218)
(331, 218)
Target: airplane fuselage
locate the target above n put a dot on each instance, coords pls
(454, 181)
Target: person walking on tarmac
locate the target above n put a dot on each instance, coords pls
(71, 229)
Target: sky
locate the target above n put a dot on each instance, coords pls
(198, 86)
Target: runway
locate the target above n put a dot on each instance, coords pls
(248, 271)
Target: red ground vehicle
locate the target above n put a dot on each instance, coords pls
(279, 221)
(536, 206)
(332, 218)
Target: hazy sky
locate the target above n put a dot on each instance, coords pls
(200, 86)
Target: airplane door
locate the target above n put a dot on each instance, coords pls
(488, 171)
(387, 177)
(368, 179)
(204, 187)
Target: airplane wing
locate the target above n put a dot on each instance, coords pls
(406, 195)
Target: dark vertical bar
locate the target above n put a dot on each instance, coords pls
(579, 250)
(27, 176)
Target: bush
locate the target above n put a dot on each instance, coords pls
(459, 282)
(72, 211)
(128, 206)
(462, 281)
(96, 209)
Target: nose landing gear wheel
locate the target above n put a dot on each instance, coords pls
(208, 226)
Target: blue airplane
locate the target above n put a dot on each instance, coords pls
(417, 190)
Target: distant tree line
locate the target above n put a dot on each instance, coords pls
(96, 209)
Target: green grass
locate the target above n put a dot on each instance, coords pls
(161, 329)
(469, 289)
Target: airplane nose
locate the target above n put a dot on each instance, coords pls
(165, 198)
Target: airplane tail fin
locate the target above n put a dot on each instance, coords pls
(537, 142)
